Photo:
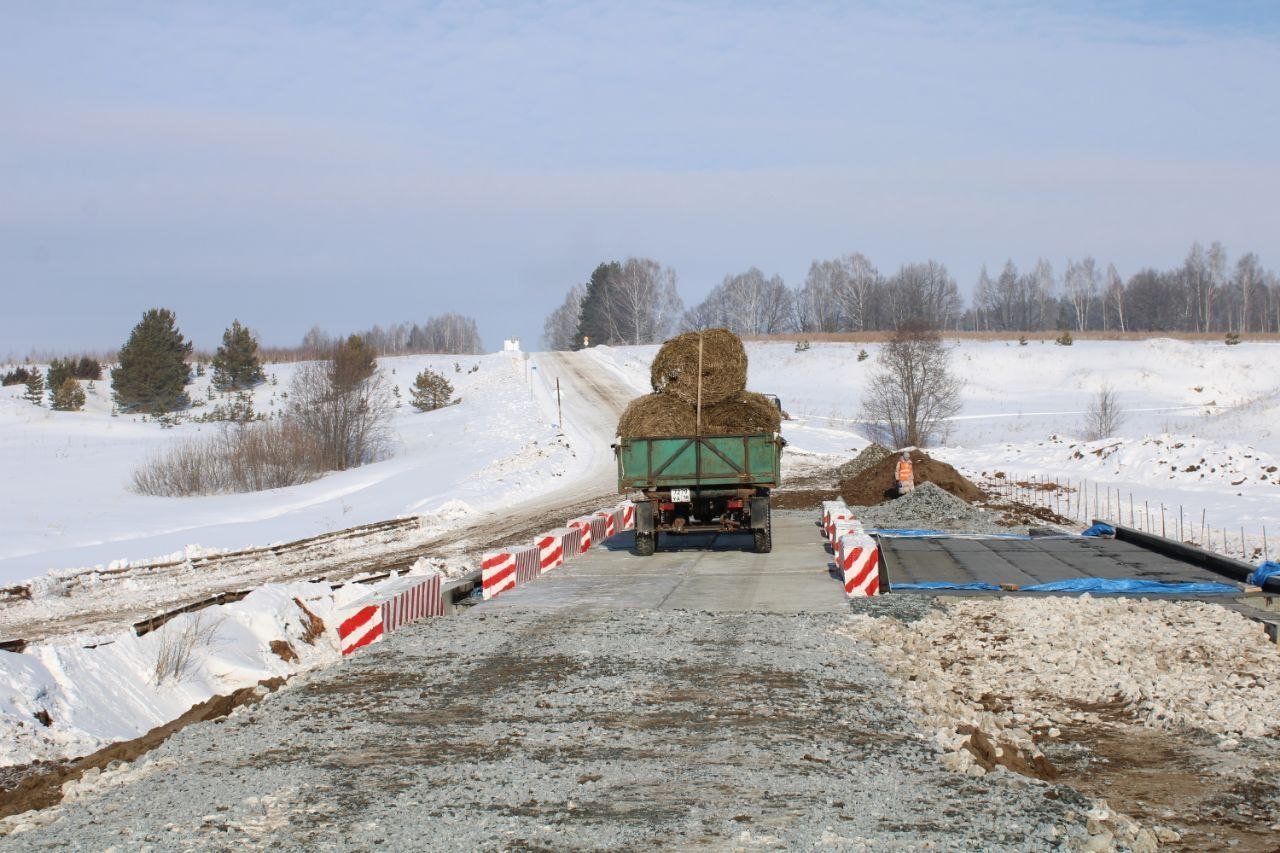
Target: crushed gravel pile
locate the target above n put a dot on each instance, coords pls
(871, 455)
(929, 507)
(573, 730)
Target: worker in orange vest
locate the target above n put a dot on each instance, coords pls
(906, 474)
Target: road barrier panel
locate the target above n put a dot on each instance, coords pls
(858, 558)
(391, 606)
(830, 507)
(610, 522)
(843, 527)
(551, 550)
(628, 511)
(583, 528)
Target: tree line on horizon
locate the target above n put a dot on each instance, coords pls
(637, 301)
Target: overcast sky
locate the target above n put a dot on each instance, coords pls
(341, 164)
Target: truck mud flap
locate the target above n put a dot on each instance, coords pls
(644, 516)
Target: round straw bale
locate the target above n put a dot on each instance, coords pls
(742, 414)
(724, 366)
(657, 416)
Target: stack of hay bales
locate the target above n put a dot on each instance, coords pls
(727, 407)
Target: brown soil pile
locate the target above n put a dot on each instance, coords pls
(663, 415)
(724, 366)
(879, 484)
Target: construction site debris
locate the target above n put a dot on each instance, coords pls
(724, 366)
(878, 483)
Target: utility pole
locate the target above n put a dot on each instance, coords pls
(559, 413)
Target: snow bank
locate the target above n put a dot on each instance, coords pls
(111, 692)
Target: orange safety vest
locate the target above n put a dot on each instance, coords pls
(905, 472)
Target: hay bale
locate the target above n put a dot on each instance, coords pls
(724, 367)
(657, 416)
(742, 414)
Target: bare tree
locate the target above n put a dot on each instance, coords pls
(856, 288)
(923, 294)
(747, 304)
(1103, 418)
(560, 330)
(642, 303)
(913, 393)
(343, 406)
(1115, 298)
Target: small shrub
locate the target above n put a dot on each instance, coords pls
(68, 397)
(182, 642)
(802, 346)
(60, 370)
(457, 368)
(1064, 339)
(1022, 340)
(863, 355)
(1233, 338)
(431, 391)
(248, 458)
(239, 409)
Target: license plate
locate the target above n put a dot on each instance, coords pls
(681, 496)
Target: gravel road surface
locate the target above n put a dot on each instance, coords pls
(570, 730)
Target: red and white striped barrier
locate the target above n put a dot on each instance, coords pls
(593, 527)
(361, 628)
(390, 606)
(504, 570)
(572, 543)
(551, 550)
(841, 527)
(858, 557)
(582, 527)
(628, 511)
(829, 507)
(610, 522)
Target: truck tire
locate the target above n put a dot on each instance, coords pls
(764, 540)
(646, 544)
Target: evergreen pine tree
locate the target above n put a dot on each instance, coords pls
(59, 371)
(153, 366)
(593, 321)
(430, 391)
(35, 387)
(236, 365)
(353, 362)
(87, 368)
(69, 396)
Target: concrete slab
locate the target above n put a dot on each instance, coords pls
(694, 571)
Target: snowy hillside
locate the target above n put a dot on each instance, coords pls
(68, 503)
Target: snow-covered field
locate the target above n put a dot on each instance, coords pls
(67, 502)
(1201, 423)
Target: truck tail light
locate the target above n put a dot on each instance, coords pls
(667, 507)
(734, 504)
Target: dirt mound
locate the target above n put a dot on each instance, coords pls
(657, 415)
(871, 454)
(878, 483)
(724, 366)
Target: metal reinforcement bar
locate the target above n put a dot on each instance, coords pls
(1236, 570)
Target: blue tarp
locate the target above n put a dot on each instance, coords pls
(1098, 585)
(1264, 572)
(1100, 529)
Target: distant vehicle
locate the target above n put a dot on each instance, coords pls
(698, 483)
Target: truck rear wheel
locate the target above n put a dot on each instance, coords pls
(764, 540)
(646, 544)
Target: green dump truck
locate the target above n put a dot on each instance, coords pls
(718, 483)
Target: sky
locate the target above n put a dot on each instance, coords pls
(297, 164)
